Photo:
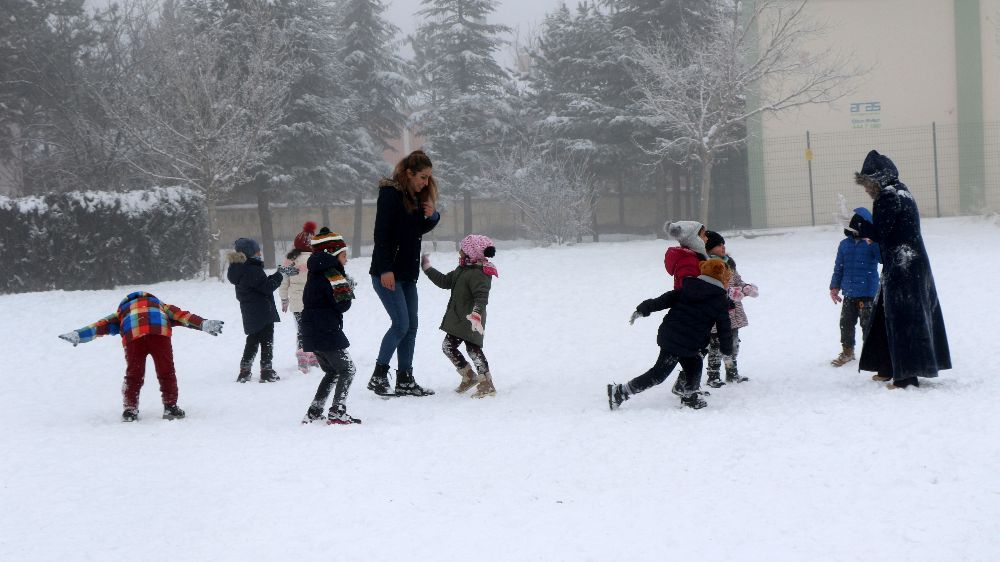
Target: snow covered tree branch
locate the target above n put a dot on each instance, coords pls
(700, 96)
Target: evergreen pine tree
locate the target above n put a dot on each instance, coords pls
(465, 113)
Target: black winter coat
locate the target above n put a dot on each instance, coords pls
(695, 308)
(398, 234)
(906, 329)
(322, 321)
(254, 290)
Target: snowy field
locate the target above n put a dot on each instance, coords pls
(804, 462)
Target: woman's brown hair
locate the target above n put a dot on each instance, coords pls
(414, 162)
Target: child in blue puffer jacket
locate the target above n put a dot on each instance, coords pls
(855, 273)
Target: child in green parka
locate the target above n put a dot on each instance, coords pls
(465, 318)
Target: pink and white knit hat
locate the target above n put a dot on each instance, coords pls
(474, 246)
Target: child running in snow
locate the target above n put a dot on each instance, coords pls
(145, 325)
(327, 296)
(254, 290)
(855, 272)
(737, 289)
(290, 291)
(698, 306)
(465, 318)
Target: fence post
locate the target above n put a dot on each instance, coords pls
(937, 185)
(809, 161)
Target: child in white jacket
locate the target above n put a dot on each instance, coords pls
(291, 289)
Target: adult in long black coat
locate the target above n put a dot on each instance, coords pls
(906, 336)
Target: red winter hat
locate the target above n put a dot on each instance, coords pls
(303, 238)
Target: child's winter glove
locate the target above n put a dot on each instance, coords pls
(750, 290)
(213, 327)
(477, 322)
(284, 305)
(635, 315)
(71, 337)
(425, 261)
(735, 294)
(288, 270)
(835, 296)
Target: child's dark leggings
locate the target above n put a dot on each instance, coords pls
(263, 339)
(338, 370)
(665, 363)
(450, 348)
(298, 330)
(854, 309)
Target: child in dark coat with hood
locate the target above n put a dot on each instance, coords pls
(855, 273)
(327, 296)
(465, 318)
(699, 305)
(254, 290)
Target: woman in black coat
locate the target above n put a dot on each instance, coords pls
(404, 213)
(906, 337)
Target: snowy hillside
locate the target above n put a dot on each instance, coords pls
(804, 462)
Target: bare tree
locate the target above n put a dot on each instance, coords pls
(200, 100)
(555, 195)
(701, 97)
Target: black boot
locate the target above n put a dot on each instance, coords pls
(407, 386)
(694, 401)
(733, 373)
(616, 395)
(130, 414)
(172, 412)
(268, 375)
(245, 374)
(714, 380)
(379, 383)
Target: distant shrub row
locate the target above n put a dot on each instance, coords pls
(96, 240)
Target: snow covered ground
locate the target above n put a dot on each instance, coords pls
(804, 462)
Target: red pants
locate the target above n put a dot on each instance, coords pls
(135, 372)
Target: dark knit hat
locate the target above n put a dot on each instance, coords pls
(328, 241)
(714, 239)
(303, 238)
(247, 246)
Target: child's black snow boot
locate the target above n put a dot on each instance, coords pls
(617, 394)
(130, 415)
(315, 413)
(268, 375)
(694, 401)
(172, 412)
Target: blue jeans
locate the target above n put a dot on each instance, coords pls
(401, 306)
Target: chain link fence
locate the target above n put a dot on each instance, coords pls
(950, 169)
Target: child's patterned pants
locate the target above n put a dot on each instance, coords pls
(338, 370)
(450, 348)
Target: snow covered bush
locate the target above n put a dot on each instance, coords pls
(556, 196)
(96, 240)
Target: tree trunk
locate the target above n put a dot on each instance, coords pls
(706, 188)
(621, 201)
(594, 196)
(266, 226)
(675, 203)
(212, 251)
(359, 213)
(467, 206)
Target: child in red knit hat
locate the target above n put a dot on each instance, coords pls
(291, 289)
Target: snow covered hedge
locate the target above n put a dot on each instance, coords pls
(96, 240)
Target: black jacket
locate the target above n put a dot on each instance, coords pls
(699, 304)
(322, 321)
(398, 234)
(906, 329)
(254, 290)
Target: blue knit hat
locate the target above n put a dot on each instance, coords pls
(247, 246)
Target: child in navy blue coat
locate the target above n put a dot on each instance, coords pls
(255, 291)
(855, 275)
